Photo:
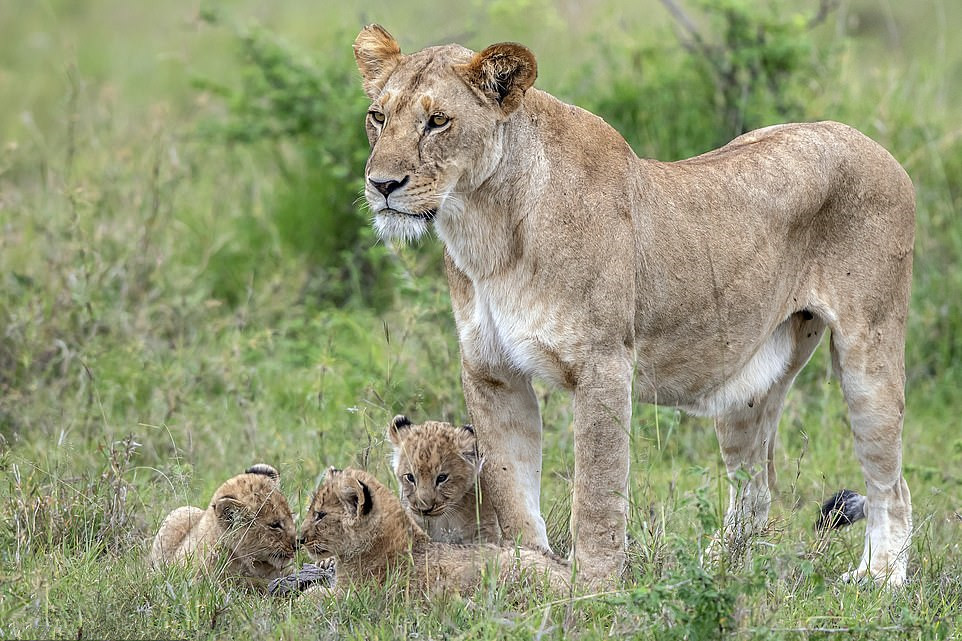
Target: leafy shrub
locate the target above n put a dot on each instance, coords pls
(748, 65)
(308, 114)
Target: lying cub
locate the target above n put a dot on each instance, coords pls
(361, 523)
(437, 466)
(248, 523)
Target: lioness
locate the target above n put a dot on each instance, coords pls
(711, 280)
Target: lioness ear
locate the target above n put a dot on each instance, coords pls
(228, 510)
(377, 54)
(398, 423)
(502, 72)
(356, 497)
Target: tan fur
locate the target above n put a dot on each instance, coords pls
(437, 467)
(248, 525)
(709, 281)
(362, 524)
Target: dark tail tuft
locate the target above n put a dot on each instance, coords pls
(844, 508)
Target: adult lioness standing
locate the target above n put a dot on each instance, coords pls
(713, 279)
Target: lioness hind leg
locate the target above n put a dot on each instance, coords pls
(747, 437)
(870, 366)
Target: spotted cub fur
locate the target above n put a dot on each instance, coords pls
(438, 467)
(361, 523)
(248, 524)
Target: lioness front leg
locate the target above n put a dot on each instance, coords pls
(504, 410)
(599, 505)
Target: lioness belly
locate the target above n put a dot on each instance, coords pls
(749, 382)
(708, 386)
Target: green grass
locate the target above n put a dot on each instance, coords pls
(130, 384)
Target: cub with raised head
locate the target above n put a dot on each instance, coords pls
(361, 523)
(248, 522)
(438, 467)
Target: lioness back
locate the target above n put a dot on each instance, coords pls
(248, 524)
(438, 467)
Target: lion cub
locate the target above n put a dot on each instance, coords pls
(438, 468)
(248, 520)
(361, 523)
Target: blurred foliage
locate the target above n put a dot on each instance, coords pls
(308, 114)
(738, 65)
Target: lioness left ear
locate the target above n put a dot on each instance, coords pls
(502, 72)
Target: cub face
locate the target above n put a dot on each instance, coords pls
(436, 463)
(433, 124)
(340, 521)
(257, 520)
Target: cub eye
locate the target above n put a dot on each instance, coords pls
(376, 116)
(319, 515)
(438, 120)
(409, 478)
(442, 478)
(276, 525)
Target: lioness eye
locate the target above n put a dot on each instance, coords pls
(409, 478)
(319, 515)
(442, 478)
(438, 120)
(376, 116)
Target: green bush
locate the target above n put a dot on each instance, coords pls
(740, 65)
(307, 114)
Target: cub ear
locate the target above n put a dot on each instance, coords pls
(265, 469)
(377, 54)
(356, 497)
(398, 423)
(502, 72)
(330, 473)
(469, 445)
(228, 510)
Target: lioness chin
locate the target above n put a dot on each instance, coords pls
(710, 281)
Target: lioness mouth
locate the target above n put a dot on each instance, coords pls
(423, 215)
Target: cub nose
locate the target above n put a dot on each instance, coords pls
(299, 541)
(387, 186)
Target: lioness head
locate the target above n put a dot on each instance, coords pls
(342, 520)
(256, 519)
(436, 464)
(435, 124)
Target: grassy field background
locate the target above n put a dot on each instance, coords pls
(180, 298)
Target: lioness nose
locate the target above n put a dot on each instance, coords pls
(387, 186)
